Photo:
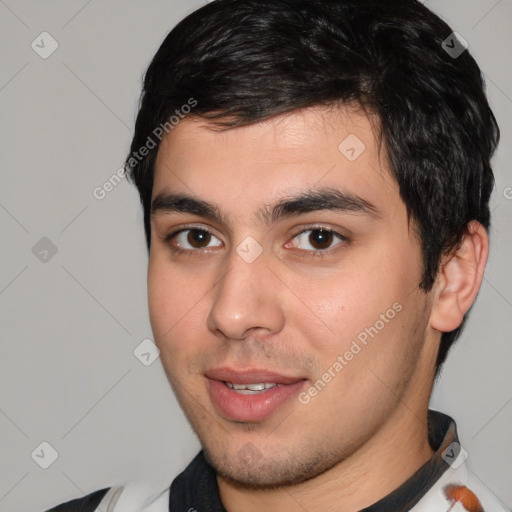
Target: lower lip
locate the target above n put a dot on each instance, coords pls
(255, 407)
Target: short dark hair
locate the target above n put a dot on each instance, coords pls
(243, 61)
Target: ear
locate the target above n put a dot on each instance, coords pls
(459, 279)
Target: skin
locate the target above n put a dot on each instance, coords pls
(365, 432)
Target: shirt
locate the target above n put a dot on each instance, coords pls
(443, 484)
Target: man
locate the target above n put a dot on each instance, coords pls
(315, 179)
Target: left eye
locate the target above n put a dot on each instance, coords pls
(195, 239)
(319, 239)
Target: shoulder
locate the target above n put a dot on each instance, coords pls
(458, 489)
(87, 503)
(489, 500)
(136, 496)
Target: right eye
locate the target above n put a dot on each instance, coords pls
(191, 239)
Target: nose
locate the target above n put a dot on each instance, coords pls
(245, 299)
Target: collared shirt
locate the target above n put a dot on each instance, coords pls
(444, 483)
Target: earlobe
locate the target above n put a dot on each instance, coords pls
(459, 279)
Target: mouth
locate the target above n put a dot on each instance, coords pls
(250, 389)
(250, 395)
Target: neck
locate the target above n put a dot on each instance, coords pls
(399, 449)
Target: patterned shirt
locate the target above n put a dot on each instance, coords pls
(443, 484)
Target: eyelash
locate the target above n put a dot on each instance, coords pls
(319, 253)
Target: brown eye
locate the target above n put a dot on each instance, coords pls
(196, 238)
(192, 239)
(320, 238)
(316, 240)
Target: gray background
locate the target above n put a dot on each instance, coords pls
(70, 324)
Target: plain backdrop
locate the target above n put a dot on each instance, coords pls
(73, 267)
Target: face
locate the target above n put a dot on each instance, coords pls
(283, 290)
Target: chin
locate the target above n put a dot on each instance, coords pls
(251, 469)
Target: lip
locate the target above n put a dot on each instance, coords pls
(250, 407)
(249, 376)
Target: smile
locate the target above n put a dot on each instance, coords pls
(247, 389)
(250, 395)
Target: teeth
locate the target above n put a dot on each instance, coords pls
(250, 388)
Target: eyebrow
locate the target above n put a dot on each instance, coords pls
(327, 198)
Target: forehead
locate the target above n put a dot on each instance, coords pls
(243, 168)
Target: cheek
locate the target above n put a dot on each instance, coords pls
(366, 313)
(342, 306)
(160, 299)
(385, 348)
(173, 300)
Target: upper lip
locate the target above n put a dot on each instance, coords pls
(250, 376)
